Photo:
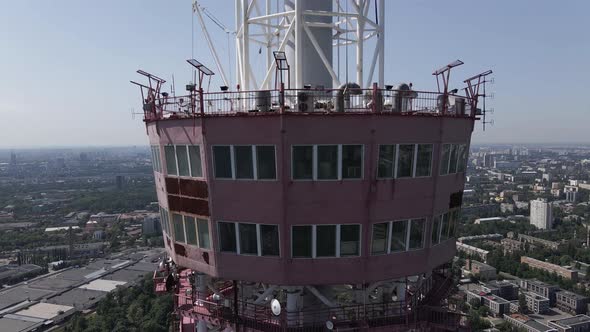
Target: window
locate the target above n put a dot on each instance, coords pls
(399, 234)
(417, 233)
(269, 238)
(352, 161)
(326, 241)
(251, 239)
(454, 216)
(424, 160)
(380, 235)
(222, 162)
(164, 220)
(156, 162)
(386, 161)
(463, 154)
(178, 228)
(203, 231)
(454, 157)
(244, 168)
(435, 230)
(182, 160)
(327, 162)
(302, 241)
(194, 152)
(303, 162)
(444, 234)
(318, 241)
(265, 162)
(444, 161)
(191, 230)
(408, 160)
(350, 240)
(405, 162)
(250, 162)
(248, 239)
(170, 159)
(227, 236)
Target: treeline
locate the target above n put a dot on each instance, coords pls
(132, 309)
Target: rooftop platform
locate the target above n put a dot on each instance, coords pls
(309, 102)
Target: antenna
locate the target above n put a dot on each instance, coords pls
(275, 307)
(203, 70)
(440, 76)
(472, 90)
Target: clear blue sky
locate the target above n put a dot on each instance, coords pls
(65, 66)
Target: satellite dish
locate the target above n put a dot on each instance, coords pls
(329, 325)
(275, 307)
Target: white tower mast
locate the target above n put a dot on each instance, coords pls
(309, 31)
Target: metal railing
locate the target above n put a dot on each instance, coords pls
(258, 316)
(307, 101)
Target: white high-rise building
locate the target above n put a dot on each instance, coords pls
(541, 214)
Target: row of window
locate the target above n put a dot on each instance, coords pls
(165, 220)
(327, 162)
(404, 160)
(156, 162)
(249, 239)
(317, 241)
(444, 226)
(311, 162)
(183, 160)
(397, 236)
(311, 241)
(454, 158)
(191, 230)
(252, 162)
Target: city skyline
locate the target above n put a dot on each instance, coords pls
(67, 72)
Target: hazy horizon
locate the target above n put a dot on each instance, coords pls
(66, 66)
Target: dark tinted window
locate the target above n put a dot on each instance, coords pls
(248, 239)
(222, 162)
(303, 162)
(301, 241)
(269, 240)
(265, 162)
(243, 162)
(326, 240)
(227, 236)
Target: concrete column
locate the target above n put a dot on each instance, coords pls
(201, 286)
(401, 290)
(292, 305)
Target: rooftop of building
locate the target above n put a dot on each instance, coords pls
(319, 101)
(569, 294)
(565, 322)
(499, 284)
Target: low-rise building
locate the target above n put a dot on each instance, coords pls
(540, 288)
(524, 322)
(481, 270)
(571, 302)
(538, 241)
(504, 289)
(473, 251)
(536, 303)
(497, 305)
(510, 246)
(551, 268)
(487, 220)
(579, 323)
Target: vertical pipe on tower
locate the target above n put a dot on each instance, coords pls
(298, 45)
(381, 42)
(238, 41)
(360, 31)
(245, 47)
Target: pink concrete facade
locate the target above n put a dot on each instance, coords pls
(286, 202)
